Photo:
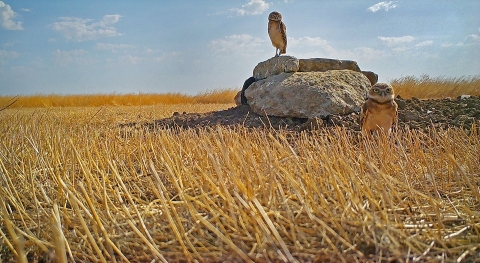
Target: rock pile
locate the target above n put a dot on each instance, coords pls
(307, 88)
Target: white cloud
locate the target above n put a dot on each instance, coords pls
(79, 29)
(236, 44)
(399, 49)
(469, 40)
(424, 43)
(254, 7)
(392, 41)
(307, 46)
(110, 19)
(473, 37)
(165, 56)
(311, 47)
(382, 5)
(366, 53)
(111, 47)
(307, 41)
(130, 60)
(9, 44)
(6, 18)
(77, 57)
(446, 45)
(25, 9)
(4, 55)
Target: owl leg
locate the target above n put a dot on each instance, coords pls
(276, 52)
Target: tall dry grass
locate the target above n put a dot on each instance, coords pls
(220, 96)
(81, 188)
(426, 87)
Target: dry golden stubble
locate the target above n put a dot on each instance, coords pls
(220, 193)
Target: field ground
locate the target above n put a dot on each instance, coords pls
(194, 179)
(462, 112)
(79, 184)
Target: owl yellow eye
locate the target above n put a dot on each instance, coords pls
(376, 91)
(389, 90)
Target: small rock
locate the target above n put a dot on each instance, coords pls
(372, 76)
(275, 66)
(410, 116)
(401, 103)
(238, 98)
(325, 64)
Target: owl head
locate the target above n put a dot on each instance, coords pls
(381, 92)
(275, 16)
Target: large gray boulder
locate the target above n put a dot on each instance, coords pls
(275, 66)
(308, 94)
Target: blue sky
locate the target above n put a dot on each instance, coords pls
(82, 47)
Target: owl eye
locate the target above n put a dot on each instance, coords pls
(389, 90)
(376, 91)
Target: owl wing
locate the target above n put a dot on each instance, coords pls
(283, 28)
(363, 114)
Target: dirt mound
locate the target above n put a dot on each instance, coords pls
(413, 113)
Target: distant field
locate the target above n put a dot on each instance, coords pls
(77, 185)
(423, 87)
(93, 100)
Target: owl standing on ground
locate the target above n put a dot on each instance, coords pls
(380, 111)
(277, 32)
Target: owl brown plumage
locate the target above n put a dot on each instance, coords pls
(380, 111)
(277, 32)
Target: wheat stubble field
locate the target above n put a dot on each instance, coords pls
(76, 185)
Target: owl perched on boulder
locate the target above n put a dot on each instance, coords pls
(277, 32)
(380, 111)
